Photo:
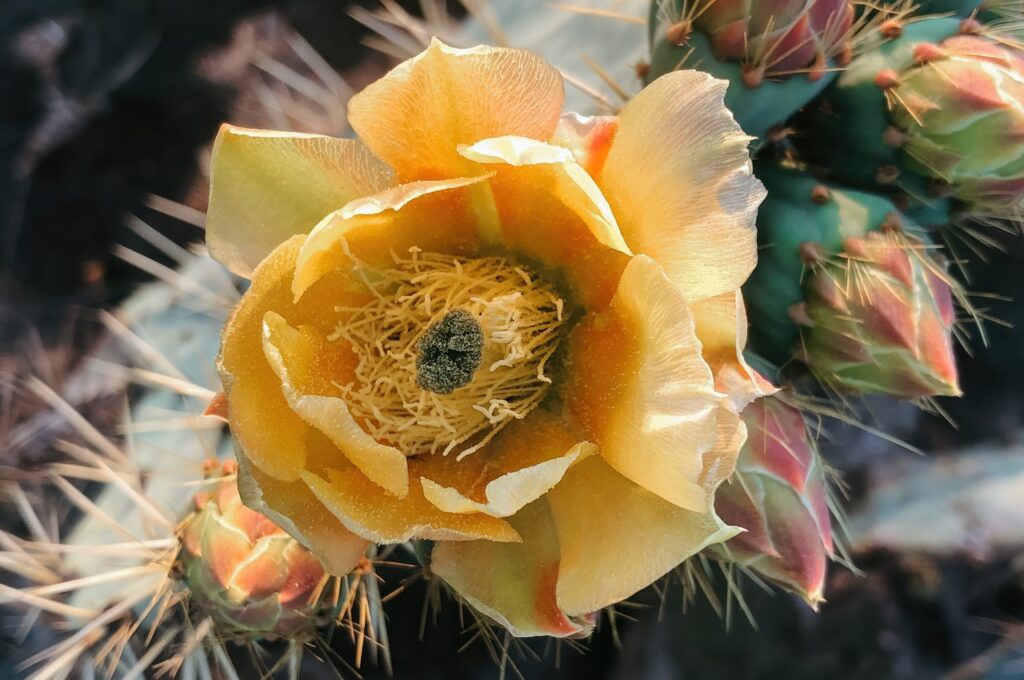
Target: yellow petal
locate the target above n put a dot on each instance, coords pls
(617, 538)
(364, 510)
(266, 186)
(295, 509)
(416, 116)
(435, 216)
(512, 583)
(679, 180)
(263, 424)
(309, 368)
(722, 328)
(568, 180)
(650, 405)
(518, 466)
(264, 427)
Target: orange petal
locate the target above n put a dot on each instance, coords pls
(416, 116)
(264, 426)
(512, 583)
(651, 404)
(678, 177)
(363, 509)
(722, 328)
(294, 508)
(617, 538)
(266, 186)
(308, 367)
(517, 467)
(435, 216)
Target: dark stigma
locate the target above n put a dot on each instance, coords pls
(449, 353)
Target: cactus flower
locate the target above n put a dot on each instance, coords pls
(879, 319)
(962, 110)
(244, 571)
(776, 37)
(778, 495)
(511, 332)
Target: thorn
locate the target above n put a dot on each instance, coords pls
(679, 33)
(812, 253)
(887, 79)
(927, 52)
(894, 137)
(891, 28)
(798, 315)
(752, 75)
(218, 407)
(643, 69)
(820, 194)
(777, 133)
(887, 174)
(893, 222)
(971, 26)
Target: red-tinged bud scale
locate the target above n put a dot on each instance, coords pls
(780, 37)
(778, 495)
(962, 110)
(244, 572)
(882, 319)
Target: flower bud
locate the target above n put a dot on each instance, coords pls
(243, 571)
(882, 319)
(963, 113)
(778, 495)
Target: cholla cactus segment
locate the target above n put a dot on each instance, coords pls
(801, 216)
(776, 37)
(764, 88)
(961, 108)
(244, 571)
(849, 132)
(778, 494)
(879, 318)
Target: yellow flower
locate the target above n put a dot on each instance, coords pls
(509, 331)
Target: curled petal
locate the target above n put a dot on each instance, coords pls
(568, 180)
(359, 505)
(721, 323)
(520, 465)
(617, 538)
(416, 116)
(679, 179)
(512, 583)
(293, 507)
(266, 187)
(307, 365)
(651, 408)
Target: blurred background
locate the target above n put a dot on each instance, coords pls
(107, 111)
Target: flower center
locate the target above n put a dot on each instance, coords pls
(450, 350)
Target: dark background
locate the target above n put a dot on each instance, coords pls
(102, 104)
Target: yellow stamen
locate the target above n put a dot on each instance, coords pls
(519, 314)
